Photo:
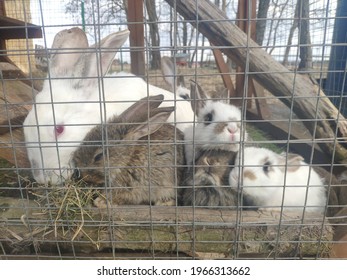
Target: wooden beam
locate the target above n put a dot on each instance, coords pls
(17, 29)
(224, 70)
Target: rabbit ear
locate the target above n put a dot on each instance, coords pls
(225, 96)
(292, 161)
(167, 69)
(71, 56)
(160, 116)
(180, 81)
(99, 60)
(66, 51)
(198, 97)
(138, 112)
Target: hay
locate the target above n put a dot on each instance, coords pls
(69, 206)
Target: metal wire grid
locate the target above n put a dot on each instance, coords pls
(60, 248)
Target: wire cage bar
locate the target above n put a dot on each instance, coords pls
(172, 130)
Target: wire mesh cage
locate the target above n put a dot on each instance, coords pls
(173, 129)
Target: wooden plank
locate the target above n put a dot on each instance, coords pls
(199, 232)
(12, 148)
(15, 102)
(11, 72)
(16, 29)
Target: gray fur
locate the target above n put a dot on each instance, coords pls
(209, 180)
(124, 142)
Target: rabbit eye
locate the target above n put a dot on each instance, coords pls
(208, 118)
(98, 157)
(266, 167)
(58, 129)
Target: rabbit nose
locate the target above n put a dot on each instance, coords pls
(232, 130)
(76, 175)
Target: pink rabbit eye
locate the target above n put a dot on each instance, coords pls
(59, 129)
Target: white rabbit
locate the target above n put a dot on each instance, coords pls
(266, 176)
(176, 82)
(75, 99)
(217, 126)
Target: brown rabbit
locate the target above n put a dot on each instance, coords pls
(337, 194)
(210, 178)
(134, 156)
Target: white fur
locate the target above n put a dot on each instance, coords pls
(182, 91)
(266, 190)
(205, 137)
(81, 107)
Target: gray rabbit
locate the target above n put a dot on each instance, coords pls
(209, 180)
(134, 156)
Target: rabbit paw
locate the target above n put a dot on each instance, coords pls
(101, 203)
(169, 202)
(269, 209)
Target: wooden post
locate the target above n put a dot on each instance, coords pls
(2, 41)
(135, 25)
(246, 22)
